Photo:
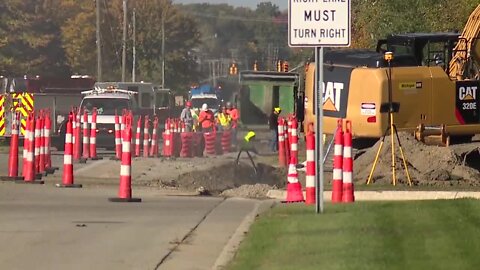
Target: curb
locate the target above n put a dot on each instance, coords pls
(391, 195)
(230, 249)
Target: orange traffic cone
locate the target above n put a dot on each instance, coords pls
(337, 183)
(125, 189)
(348, 195)
(68, 178)
(294, 188)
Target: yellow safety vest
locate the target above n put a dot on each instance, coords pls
(224, 119)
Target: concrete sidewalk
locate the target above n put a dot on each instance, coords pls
(390, 195)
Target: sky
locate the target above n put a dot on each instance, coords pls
(282, 4)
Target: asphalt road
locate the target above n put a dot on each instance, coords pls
(44, 227)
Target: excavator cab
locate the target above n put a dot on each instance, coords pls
(428, 49)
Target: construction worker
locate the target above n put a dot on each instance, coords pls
(247, 146)
(206, 119)
(195, 114)
(273, 125)
(186, 116)
(234, 115)
(223, 119)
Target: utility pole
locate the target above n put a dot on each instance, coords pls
(99, 46)
(164, 13)
(214, 63)
(269, 57)
(134, 56)
(124, 39)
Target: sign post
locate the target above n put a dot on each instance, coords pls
(319, 23)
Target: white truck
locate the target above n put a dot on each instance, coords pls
(139, 97)
(210, 99)
(107, 102)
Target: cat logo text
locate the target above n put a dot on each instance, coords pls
(332, 93)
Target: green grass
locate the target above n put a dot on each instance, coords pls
(405, 187)
(368, 235)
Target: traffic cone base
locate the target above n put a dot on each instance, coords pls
(337, 188)
(310, 195)
(125, 199)
(81, 160)
(348, 195)
(294, 193)
(40, 182)
(11, 178)
(68, 185)
(294, 188)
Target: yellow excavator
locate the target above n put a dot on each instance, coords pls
(435, 80)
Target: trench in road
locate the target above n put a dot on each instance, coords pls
(164, 258)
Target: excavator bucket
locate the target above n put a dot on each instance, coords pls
(432, 135)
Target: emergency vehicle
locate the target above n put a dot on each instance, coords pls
(27, 94)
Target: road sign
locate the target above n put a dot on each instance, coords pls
(317, 23)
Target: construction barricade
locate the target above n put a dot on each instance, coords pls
(13, 152)
(347, 191)
(337, 182)
(125, 187)
(146, 136)
(48, 143)
(176, 141)
(137, 136)
(93, 136)
(198, 144)
(167, 140)
(118, 138)
(68, 178)
(286, 141)
(218, 143)
(294, 140)
(282, 159)
(187, 144)
(310, 170)
(294, 188)
(342, 182)
(226, 141)
(179, 143)
(210, 142)
(30, 168)
(86, 137)
(154, 144)
(42, 158)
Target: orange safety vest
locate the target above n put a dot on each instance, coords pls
(206, 119)
(234, 116)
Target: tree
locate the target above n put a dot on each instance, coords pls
(181, 36)
(30, 43)
(78, 35)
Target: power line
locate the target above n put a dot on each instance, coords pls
(237, 18)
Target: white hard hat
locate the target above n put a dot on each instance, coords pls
(204, 107)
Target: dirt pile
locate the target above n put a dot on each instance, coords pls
(427, 165)
(223, 177)
(257, 191)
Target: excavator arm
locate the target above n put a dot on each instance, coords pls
(465, 63)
